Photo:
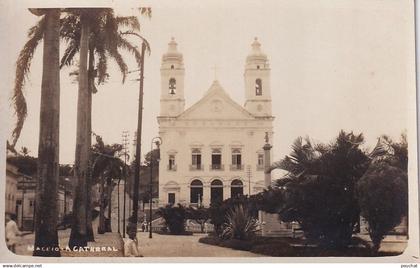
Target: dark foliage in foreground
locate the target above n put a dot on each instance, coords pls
(174, 217)
(319, 190)
(292, 247)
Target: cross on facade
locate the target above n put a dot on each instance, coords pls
(215, 72)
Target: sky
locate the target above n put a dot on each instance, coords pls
(335, 64)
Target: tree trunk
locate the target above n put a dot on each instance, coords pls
(91, 80)
(78, 236)
(101, 227)
(46, 217)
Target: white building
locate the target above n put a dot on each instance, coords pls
(214, 149)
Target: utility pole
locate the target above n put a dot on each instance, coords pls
(138, 143)
(125, 137)
(248, 173)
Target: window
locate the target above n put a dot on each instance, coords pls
(171, 164)
(196, 159)
(172, 66)
(171, 198)
(258, 87)
(216, 191)
(236, 159)
(216, 159)
(260, 160)
(196, 194)
(172, 86)
(236, 188)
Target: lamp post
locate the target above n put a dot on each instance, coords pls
(66, 180)
(158, 142)
(23, 202)
(118, 202)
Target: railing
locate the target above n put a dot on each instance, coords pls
(236, 167)
(216, 167)
(260, 167)
(172, 168)
(196, 167)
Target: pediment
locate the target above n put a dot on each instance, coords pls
(216, 104)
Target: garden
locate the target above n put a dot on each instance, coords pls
(326, 190)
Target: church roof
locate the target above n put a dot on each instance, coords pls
(216, 104)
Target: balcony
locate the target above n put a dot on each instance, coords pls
(236, 167)
(196, 167)
(260, 167)
(217, 167)
(172, 167)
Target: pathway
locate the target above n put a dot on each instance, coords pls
(184, 246)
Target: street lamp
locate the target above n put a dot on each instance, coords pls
(66, 180)
(118, 193)
(158, 142)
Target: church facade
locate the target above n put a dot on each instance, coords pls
(213, 150)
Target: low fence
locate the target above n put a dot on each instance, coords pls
(194, 228)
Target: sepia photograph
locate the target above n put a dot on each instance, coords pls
(246, 131)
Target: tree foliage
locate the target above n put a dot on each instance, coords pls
(383, 190)
(319, 189)
(174, 217)
(325, 183)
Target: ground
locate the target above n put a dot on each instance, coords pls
(184, 246)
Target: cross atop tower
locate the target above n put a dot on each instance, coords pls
(215, 71)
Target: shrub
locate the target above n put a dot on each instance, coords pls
(174, 218)
(240, 225)
(219, 210)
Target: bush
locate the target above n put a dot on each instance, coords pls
(240, 225)
(174, 218)
(219, 210)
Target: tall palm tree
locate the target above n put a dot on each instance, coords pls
(105, 39)
(46, 237)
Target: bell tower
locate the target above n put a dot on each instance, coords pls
(257, 82)
(172, 73)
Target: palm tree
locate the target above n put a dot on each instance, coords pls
(108, 166)
(46, 237)
(104, 38)
(108, 38)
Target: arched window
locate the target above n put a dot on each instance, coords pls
(258, 87)
(196, 194)
(216, 191)
(236, 188)
(172, 86)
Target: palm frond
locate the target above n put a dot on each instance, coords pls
(23, 65)
(146, 11)
(139, 36)
(115, 54)
(69, 53)
(130, 21)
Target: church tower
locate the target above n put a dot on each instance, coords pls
(257, 82)
(172, 72)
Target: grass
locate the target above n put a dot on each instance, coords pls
(291, 247)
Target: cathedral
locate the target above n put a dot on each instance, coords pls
(213, 150)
